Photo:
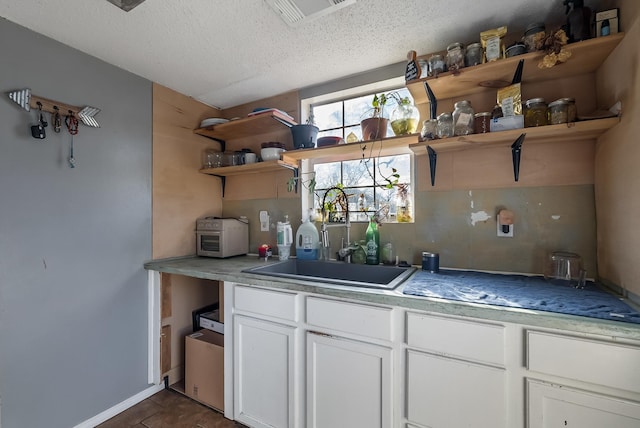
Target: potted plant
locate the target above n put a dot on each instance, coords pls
(305, 135)
(375, 126)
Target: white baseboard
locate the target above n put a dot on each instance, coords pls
(120, 407)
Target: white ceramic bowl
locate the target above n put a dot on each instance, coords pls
(270, 153)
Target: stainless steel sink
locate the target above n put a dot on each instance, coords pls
(340, 273)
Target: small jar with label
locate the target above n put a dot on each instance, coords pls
(436, 65)
(463, 118)
(455, 56)
(473, 55)
(558, 112)
(429, 130)
(482, 122)
(533, 32)
(445, 125)
(535, 112)
(572, 112)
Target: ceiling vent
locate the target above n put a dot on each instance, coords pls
(295, 12)
(126, 5)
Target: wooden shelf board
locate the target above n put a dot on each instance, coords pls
(586, 130)
(247, 127)
(586, 57)
(384, 147)
(254, 168)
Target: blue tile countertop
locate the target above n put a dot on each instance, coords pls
(520, 291)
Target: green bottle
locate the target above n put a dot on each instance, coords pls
(373, 243)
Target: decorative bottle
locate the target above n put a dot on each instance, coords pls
(373, 243)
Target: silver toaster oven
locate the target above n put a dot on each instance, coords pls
(222, 237)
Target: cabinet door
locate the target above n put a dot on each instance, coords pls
(263, 373)
(449, 393)
(553, 406)
(348, 383)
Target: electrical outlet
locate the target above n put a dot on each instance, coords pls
(501, 233)
(264, 221)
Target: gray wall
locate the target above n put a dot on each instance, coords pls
(73, 296)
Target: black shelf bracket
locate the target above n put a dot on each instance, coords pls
(223, 181)
(433, 102)
(516, 151)
(433, 159)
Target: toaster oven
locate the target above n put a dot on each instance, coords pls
(222, 237)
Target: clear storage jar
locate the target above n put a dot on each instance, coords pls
(463, 118)
(572, 112)
(445, 125)
(473, 55)
(532, 32)
(429, 130)
(455, 56)
(558, 112)
(436, 65)
(535, 112)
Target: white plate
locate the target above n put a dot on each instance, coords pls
(212, 121)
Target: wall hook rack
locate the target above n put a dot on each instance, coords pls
(25, 99)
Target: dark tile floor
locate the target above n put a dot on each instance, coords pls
(169, 409)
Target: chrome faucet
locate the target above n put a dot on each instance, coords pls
(324, 233)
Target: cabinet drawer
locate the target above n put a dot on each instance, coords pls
(468, 339)
(608, 364)
(271, 303)
(362, 320)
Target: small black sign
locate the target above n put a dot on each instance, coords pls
(413, 68)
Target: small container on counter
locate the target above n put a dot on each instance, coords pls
(431, 262)
(482, 122)
(463, 118)
(445, 125)
(531, 34)
(455, 56)
(572, 112)
(429, 129)
(558, 112)
(436, 65)
(535, 113)
(473, 55)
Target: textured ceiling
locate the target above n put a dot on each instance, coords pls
(228, 52)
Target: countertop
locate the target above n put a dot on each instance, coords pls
(231, 270)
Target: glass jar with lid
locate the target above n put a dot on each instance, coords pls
(572, 112)
(535, 112)
(436, 65)
(535, 31)
(429, 130)
(455, 56)
(445, 125)
(463, 118)
(473, 55)
(482, 122)
(558, 112)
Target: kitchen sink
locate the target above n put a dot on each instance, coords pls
(340, 273)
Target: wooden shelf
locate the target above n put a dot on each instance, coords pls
(586, 57)
(586, 130)
(383, 147)
(247, 127)
(254, 168)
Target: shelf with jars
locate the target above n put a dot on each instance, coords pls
(587, 130)
(586, 57)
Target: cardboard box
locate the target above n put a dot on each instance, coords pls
(611, 16)
(204, 368)
(211, 321)
(506, 123)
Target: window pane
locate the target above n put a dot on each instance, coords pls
(354, 173)
(357, 109)
(327, 175)
(328, 116)
(357, 130)
(402, 165)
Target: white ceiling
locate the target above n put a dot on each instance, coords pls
(228, 52)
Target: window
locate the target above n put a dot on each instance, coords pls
(373, 184)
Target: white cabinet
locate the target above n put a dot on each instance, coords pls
(349, 383)
(264, 372)
(454, 373)
(552, 406)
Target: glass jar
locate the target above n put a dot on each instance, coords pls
(429, 130)
(558, 112)
(482, 122)
(531, 34)
(473, 55)
(405, 118)
(424, 68)
(436, 65)
(572, 112)
(445, 125)
(463, 118)
(535, 113)
(455, 56)
(386, 254)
